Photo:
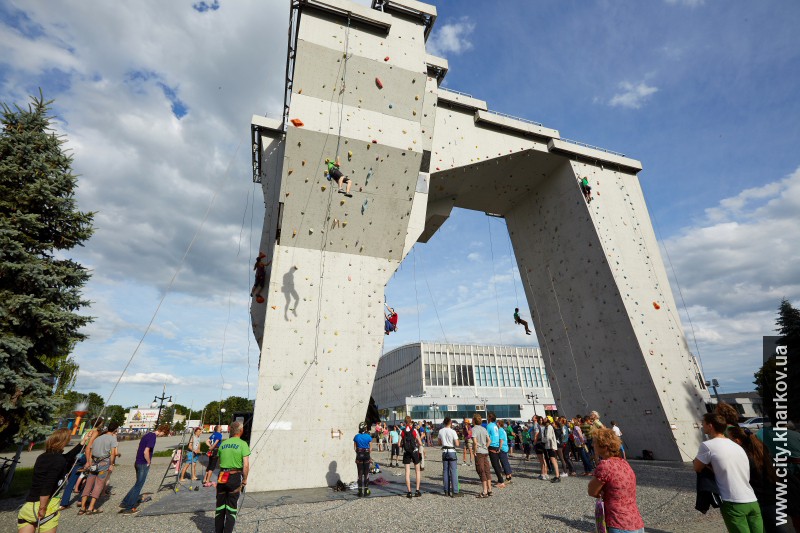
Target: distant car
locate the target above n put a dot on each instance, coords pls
(755, 423)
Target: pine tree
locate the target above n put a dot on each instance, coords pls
(788, 323)
(40, 289)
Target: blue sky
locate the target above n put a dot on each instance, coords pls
(156, 100)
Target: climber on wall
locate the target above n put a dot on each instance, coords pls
(518, 320)
(391, 320)
(335, 174)
(261, 274)
(586, 189)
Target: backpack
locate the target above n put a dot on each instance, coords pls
(409, 442)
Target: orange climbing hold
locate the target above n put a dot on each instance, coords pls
(656, 306)
(297, 123)
(260, 299)
(379, 83)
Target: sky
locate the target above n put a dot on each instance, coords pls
(156, 98)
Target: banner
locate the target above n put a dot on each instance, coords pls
(141, 418)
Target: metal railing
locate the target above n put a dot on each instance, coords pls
(457, 92)
(586, 145)
(512, 117)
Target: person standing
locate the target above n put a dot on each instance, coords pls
(618, 433)
(41, 511)
(562, 435)
(234, 465)
(144, 456)
(77, 468)
(411, 455)
(101, 455)
(551, 447)
(192, 455)
(362, 444)
(731, 468)
(580, 443)
(213, 455)
(494, 448)
(615, 483)
(449, 441)
(481, 439)
(469, 444)
(504, 451)
(394, 436)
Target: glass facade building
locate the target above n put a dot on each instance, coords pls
(431, 380)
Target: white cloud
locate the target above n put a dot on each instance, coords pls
(734, 267)
(474, 256)
(632, 96)
(452, 38)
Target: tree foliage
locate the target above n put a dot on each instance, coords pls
(40, 288)
(788, 329)
(232, 404)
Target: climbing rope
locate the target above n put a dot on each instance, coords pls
(430, 293)
(494, 282)
(511, 263)
(544, 335)
(569, 342)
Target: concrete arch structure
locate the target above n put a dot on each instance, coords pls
(359, 80)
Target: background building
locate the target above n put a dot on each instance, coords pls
(430, 380)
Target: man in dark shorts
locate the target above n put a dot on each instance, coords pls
(213, 456)
(586, 189)
(362, 444)
(409, 439)
(335, 174)
(261, 274)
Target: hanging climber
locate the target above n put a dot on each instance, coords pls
(518, 320)
(586, 189)
(335, 174)
(261, 274)
(391, 320)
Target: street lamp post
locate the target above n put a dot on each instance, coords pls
(221, 412)
(434, 406)
(533, 398)
(485, 407)
(159, 401)
(714, 384)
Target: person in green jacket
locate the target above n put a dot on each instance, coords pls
(334, 173)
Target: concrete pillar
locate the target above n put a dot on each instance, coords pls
(358, 89)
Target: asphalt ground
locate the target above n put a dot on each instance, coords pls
(666, 498)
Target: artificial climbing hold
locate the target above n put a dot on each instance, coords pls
(379, 83)
(259, 299)
(656, 306)
(349, 155)
(323, 188)
(296, 122)
(303, 162)
(374, 141)
(386, 58)
(276, 387)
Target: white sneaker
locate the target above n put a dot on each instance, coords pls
(564, 474)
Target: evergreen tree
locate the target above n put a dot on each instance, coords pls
(788, 323)
(40, 289)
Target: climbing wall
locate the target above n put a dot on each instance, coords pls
(603, 311)
(358, 92)
(363, 87)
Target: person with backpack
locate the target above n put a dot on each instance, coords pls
(362, 444)
(411, 454)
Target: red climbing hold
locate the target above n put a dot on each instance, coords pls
(379, 83)
(386, 58)
(375, 141)
(296, 122)
(260, 299)
(656, 306)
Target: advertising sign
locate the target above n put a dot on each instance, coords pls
(141, 418)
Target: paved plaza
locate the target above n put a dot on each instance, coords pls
(665, 490)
